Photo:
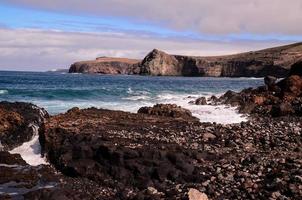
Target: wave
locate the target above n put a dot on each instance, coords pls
(3, 91)
(137, 98)
(31, 151)
(206, 113)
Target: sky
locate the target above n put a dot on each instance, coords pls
(43, 35)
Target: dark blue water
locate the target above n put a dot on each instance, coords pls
(58, 92)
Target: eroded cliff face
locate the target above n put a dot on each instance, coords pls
(274, 61)
(106, 65)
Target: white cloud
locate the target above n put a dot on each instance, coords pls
(44, 50)
(203, 16)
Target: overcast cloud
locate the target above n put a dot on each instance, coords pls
(44, 50)
(235, 25)
(204, 16)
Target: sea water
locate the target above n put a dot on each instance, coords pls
(58, 92)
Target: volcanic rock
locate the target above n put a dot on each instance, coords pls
(141, 156)
(17, 121)
(168, 110)
(276, 99)
(273, 61)
(201, 101)
(19, 180)
(270, 81)
(296, 69)
(196, 195)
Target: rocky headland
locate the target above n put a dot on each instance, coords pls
(273, 61)
(106, 65)
(163, 152)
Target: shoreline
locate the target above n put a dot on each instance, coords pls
(163, 151)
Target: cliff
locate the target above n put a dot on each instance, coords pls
(273, 61)
(106, 65)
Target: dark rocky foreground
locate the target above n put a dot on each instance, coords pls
(103, 154)
(132, 154)
(163, 152)
(273, 61)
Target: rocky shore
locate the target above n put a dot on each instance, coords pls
(273, 61)
(162, 152)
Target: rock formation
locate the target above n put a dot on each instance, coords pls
(168, 110)
(273, 61)
(17, 121)
(275, 98)
(103, 154)
(143, 156)
(106, 65)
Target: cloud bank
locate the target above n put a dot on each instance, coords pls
(132, 28)
(203, 16)
(44, 50)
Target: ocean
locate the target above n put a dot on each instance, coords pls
(58, 92)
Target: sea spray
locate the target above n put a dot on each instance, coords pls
(31, 151)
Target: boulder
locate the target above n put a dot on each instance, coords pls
(282, 109)
(196, 195)
(201, 101)
(296, 69)
(168, 110)
(291, 85)
(270, 81)
(232, 98)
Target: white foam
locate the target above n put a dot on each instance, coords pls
(137, 99)
(206, 113)
(31, 151)
(3, 91)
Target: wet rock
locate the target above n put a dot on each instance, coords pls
(18, 178)
(11, 159)
(201, 101)
(17, 121)
(270, 81)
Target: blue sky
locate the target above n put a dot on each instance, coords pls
(38, 31)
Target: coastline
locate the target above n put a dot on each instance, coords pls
(162, 151)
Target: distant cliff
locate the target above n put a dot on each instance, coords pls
(106, 65)
(273, 61)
